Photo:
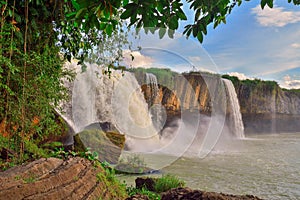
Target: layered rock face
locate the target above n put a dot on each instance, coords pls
(53, 178)
(189, 92)
(265, 107)
(268, 108)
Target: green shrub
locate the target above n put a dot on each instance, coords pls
(167, 182)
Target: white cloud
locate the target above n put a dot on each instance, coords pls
(136, 59)
(295, 45)
(276, 16)
(240, 76)
(290, 83)
(194, 58)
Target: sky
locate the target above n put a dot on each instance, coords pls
(254, 43)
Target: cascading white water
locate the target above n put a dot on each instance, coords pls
(117, 100)
(236, 116)
(151, 81)
(83, 98)
(158, 113)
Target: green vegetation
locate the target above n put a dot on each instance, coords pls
(164, 76)
(162, 16)
(294, 91)
(115, 188)
(167, 182)
(151, 195)
(233, 79)
(163, 184)
(30, 78)
(256, 83)
(31, 178)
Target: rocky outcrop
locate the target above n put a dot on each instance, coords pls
(108, 144)
(53, 178)
(189, 93)
(265, 107)
(187, 193)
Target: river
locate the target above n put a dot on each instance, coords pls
(265, 165)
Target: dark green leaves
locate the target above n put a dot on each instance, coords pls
(125, 2)
(127, 13)
(109, 29)
(263, 3)
(173, 23)
(162, 15)
(200, 37)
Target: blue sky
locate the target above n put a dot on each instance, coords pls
(254, 43)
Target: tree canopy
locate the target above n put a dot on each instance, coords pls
(154, 15)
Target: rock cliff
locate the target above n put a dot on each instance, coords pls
(268, 108)
(265, 107)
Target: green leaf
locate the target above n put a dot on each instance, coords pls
(133, 19)
(171, 33)
(186, 28)
(109, 29)
(270, 3)
(10, 12)
(68, 15)
(181, 15)
(189, 31)
(197, 15)
(160, 7)
(75, 4)
(263, 3)
(81, 13)
(195, 30)
(125, 2)
(161, 32)
(152, 30)
(173, 23)
(126, 14)
(200, 37)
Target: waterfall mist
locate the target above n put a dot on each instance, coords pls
(119, 100)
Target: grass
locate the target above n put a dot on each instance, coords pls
(167, 182)
(163, 184)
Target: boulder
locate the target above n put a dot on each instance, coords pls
(108, 145)
(147, 183)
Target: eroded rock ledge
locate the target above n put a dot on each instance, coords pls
(53, 178)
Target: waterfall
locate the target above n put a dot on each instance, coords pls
(83, 98)
(157, 111)
(235, 114)
(151, 81)
(117, 100)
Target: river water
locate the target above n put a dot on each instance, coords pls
(267, 166)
